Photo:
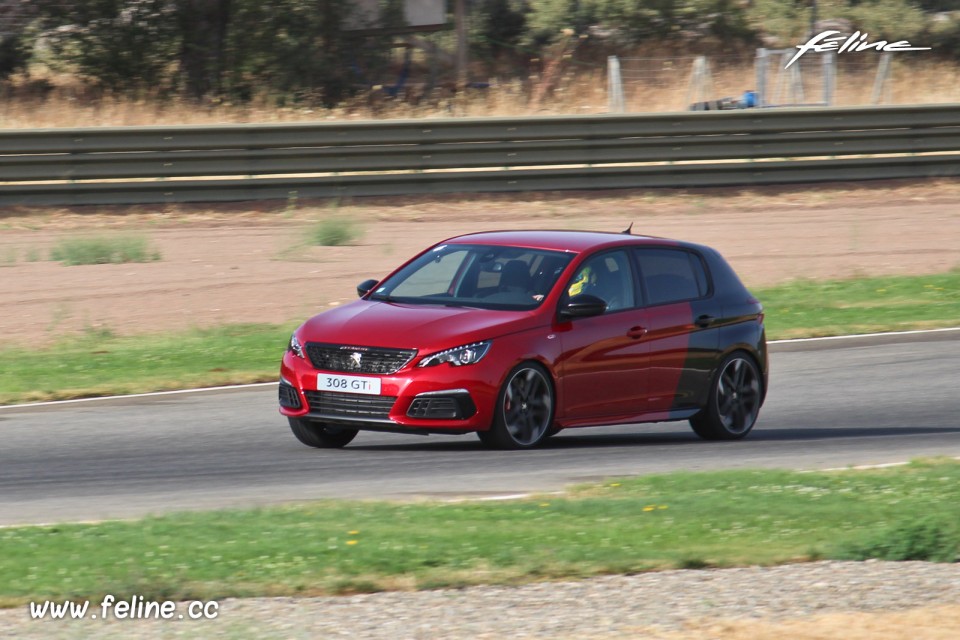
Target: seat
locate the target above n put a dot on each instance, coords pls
(516, 277)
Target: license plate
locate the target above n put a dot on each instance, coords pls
(348, 384)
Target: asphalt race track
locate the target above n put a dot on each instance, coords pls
(831, 404)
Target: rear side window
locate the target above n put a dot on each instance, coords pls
(671, 275)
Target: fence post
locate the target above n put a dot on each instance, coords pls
(829, 77)
(761, 71)
(883, 74)
(700, 88)
(614, 85)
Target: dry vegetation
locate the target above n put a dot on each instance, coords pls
(650, 85)
(924, 623)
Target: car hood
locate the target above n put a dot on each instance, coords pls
(408, 326)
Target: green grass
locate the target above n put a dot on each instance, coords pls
(101, 364)
(105, 249)
(862, 305)
(632, 525)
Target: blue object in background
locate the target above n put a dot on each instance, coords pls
(748, 100)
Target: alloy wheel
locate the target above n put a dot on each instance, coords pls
(527, 406)
(738, 396)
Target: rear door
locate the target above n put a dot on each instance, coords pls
(679, 320)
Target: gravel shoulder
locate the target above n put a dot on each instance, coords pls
(853, 601)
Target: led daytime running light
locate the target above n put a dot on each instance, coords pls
(294, 346)
(458, 356)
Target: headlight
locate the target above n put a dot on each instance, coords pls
(294, 346)
(467, 354)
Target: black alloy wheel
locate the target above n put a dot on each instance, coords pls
(734, 401)
(524, 411)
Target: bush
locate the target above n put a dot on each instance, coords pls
(927, 538)
(104, 250)
(334, 231)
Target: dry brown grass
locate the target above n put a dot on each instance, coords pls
(924, 623)
(651, 85)
(556, 208)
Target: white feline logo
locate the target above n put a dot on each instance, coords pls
(830, 41)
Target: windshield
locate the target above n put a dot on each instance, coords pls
(482, 276)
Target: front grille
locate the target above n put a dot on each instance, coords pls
(289, 397)
(349, 359)
(349, 405)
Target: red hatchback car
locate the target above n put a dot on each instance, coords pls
(516, 335)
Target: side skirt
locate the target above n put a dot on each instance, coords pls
(656, 416)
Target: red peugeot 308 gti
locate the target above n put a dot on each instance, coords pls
(516, 335)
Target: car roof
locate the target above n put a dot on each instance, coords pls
(563, 240)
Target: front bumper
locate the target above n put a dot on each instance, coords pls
(438, 399)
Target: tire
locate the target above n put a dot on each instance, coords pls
(733, 403)
(523, 415)
(486, 438)
(317, 434)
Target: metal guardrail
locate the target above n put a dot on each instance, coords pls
(132, 165)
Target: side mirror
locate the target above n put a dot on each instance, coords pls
(365, 287)
(582, 306)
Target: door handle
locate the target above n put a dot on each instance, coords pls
(705, 320)
(637, 332)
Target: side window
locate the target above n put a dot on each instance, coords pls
(671, 275)
(607, 277)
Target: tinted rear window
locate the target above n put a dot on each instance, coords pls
(671, 275)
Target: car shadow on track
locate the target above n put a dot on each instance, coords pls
(583, 439)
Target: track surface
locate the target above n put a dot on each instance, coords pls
(831, 404)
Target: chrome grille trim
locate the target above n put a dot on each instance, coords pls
(358, 359)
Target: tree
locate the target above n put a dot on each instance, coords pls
(503, 24)
(203, 29)
(15, 15)
(121, 45)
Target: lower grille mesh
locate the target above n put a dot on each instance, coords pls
(289, 397)
(349, 405)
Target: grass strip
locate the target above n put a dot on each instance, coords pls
(99, 363)
(863, 305)
(102, 364)
(680, 520)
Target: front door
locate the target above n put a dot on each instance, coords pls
(603, 367)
